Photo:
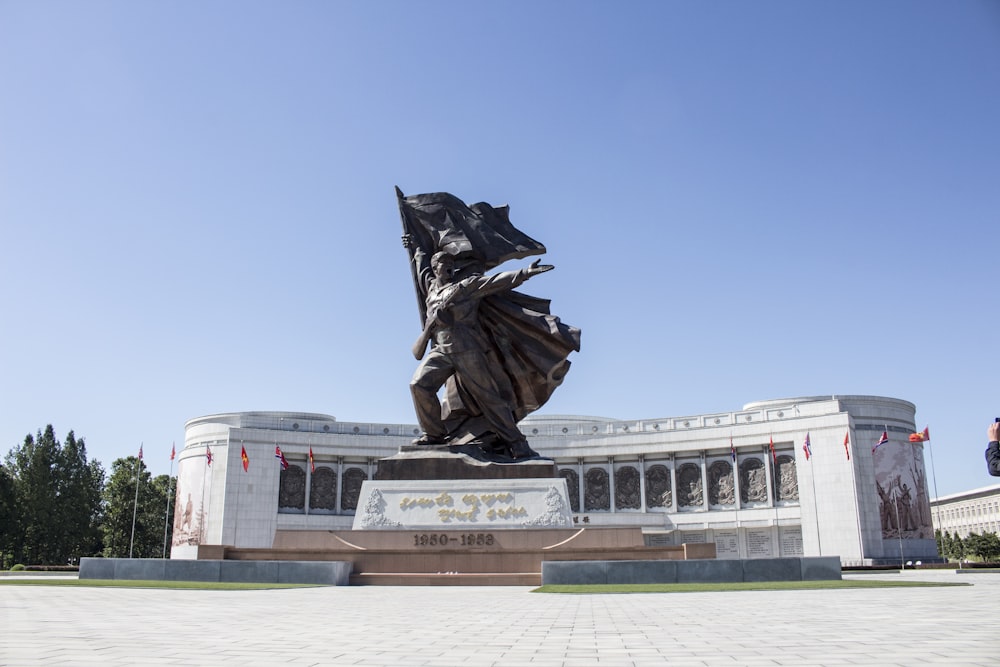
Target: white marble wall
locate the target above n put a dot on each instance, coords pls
(836, 512)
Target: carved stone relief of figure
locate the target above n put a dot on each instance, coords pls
(323, 489)
(658, 493)
(721, 489)
(573, 487)
(292, 488)
(689, 486)
(597, 494)
(886, 511)
(353, 477)
(627, 488)
(905, 500)
(788, 480)
(753, 481)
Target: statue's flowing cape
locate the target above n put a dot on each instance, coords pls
(531, 345)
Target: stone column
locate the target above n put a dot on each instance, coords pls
(673, 483)
(581, 491)
(768, 462)
(704, 481)
(611, 483)
(340, 484)
(642, 483)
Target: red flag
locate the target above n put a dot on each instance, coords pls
(774, 456)
(927, 433)
(173, 451)
(244, 457)
(807, 448)
(922, 436)
(312, 463)
(281, 457)
(140, 451)
(847, 445)
(208, 455)
(884, 438)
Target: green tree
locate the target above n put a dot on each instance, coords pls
(56, 501)
(165, 488)
(36, 497)
(947, 545)
(148, 502)
(8, 518)
(958, 548)
(990, 547)
(81, 483)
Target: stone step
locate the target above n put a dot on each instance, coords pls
(446, 579)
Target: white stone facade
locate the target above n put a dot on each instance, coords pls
(673, 477)
(975, 511)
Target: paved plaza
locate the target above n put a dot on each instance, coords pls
(509, 626)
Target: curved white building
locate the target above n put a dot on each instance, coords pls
(711, 477)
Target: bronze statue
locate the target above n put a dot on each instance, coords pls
(499, 354)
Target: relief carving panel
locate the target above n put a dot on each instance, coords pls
(627, 488)
(573, 487)
(690, 492)
(753, 481)
(323, 489)
(658, 493)
(292, 488)
(597, 493)
(353, 477)
(721, 487)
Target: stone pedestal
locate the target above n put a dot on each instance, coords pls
(457, 462)
(463, 504)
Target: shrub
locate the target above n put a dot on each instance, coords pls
(17, 568)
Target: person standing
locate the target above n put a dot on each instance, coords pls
(993, 449)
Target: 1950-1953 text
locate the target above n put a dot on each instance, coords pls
(460, 539)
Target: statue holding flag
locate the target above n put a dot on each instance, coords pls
(499, 354)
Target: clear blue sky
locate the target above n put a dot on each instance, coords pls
(743, 201)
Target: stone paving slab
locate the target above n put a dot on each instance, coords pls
(505, 626)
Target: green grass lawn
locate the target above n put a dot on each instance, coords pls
(173, 585)
(739, 586)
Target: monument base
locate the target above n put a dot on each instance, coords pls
(447, 462)
(464, 557)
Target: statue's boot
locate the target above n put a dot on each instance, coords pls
(521, 450)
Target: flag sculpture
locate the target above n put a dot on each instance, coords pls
(499, 354)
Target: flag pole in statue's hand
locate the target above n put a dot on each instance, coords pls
(408, 244)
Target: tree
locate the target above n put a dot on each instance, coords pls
(124, 498)
(983, 547)
(990, 547)
(958, 548)
(56, 500)
(8, 518)
(36, 497)
(81, 484)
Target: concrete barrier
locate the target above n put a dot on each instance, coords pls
(690, 571)
(329, 573)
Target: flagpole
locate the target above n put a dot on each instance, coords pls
(930, 448)
(135, 503)
(854, 489)
(421, 304)
(775, 485)
(899, 534)
(736, 493)
(812, 478)
(166, 511)
(239, 483)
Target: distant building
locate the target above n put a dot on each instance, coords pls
(976, 511)
(711, 477)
